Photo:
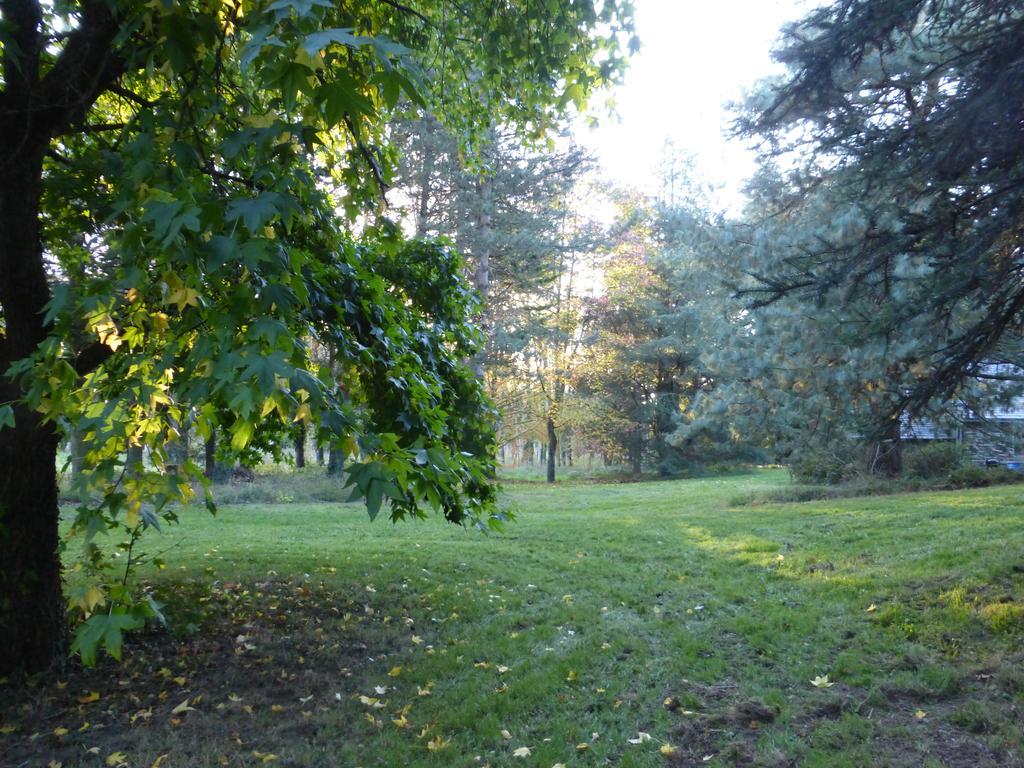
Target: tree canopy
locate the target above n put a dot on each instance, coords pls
(902, 116)
(194, 195)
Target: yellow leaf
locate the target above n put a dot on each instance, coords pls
(582, 746)
(400, 722)
(437, 743)
(502, 669)
(117, 758)
(641, 737)
(822, 681)
(89, 697)
(55, 764)
(180, 680)
(571, 677)
(160, 760)
(416, 639)
(264, 757)
(276, 708)
(234, 697)
(6, 729)
(920, 714)
(871, 608)
(182, 708)
(60, 732)
(395, 672)
(505, 734)
(521, 752)
(668, 750)
(423, 691)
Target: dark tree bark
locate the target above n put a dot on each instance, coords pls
(300, 447)
(552, 449)
(335, 462)
(319, 455)
(32, 624)
(210, 456)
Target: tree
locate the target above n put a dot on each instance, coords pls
(903, 115)
(169, 240)
(647, 332)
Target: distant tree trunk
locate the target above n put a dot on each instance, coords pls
(482, 272)
(76, 451)
(133, 461)
(319, 455)
(885, 455)
(552, 449)
(637, 450)
(300, 447)
(335, 461)
(210, 456)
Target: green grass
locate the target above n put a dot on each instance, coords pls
(604, 611)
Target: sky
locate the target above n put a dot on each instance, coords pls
(696, 56)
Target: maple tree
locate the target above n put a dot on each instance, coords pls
(170, 242)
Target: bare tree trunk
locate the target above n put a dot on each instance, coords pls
(33, 630)
(552, 449)
(335, 462)
(210, 456)
(300, 447)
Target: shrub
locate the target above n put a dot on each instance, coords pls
(830, 465)
(932, 461)
(970, 476)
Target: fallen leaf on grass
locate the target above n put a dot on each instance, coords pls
(822, 681)
(641, 737)
(182, 708)
(6, 729)
(521, 752)
(668, 750)
(436, 744)
(276, 708)
(117, 758)
(160, 760)
(582, 746)
(264, 757)
(871, 608)
(920, 714)
(505, 734)
(89, 697)
(58, 732)
(394, 672)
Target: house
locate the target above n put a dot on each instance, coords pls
(996, 435)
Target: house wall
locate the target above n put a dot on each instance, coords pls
(1001, 441)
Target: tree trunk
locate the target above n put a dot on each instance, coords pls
(884, 456)
(210, 456)
(552, 449)
(482, 272)
(33, 630)
(77, 452)
(319, 455)
(335, 462)
(300, 447)
(637, 451)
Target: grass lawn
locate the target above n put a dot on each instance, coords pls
(632, 625)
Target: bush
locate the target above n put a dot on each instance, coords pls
(829, 465)
(970, 476)
(932, 461)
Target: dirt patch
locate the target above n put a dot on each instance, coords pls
(266, 663)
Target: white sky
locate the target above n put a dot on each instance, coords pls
(696, 57)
